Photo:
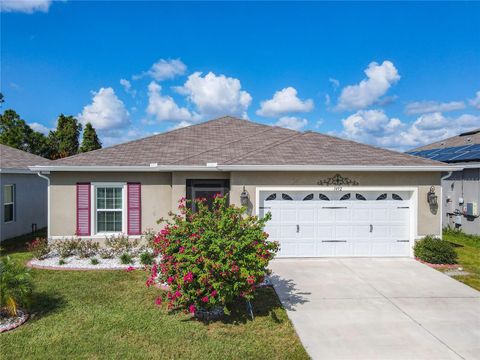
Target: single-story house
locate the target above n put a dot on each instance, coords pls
(327, 196)
(461, 190)
(23, 193)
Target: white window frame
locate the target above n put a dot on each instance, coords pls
(93, 202)
(12, 186)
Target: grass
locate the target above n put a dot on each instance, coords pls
(112, 315)
(468, 250)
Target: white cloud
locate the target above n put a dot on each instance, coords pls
(40, 128)
(292, 122)
(374, 127)
(127, 86)
(476, 101)
(422, 107)
(379, 79)
(164, 69)
(25, 6)
(284, 101)
(335, 83)
(216, 95)
(106, 112)
(163, 107)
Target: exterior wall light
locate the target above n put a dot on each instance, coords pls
(244, 197)
(432, 198)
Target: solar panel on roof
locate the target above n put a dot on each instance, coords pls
(467, 156)
(449, 156)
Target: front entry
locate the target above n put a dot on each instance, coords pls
(206, 188)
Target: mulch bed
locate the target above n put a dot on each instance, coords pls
(7, 324)
(439, 266)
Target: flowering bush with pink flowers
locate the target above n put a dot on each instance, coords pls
(210, 257)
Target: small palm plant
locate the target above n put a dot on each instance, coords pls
(15, 286)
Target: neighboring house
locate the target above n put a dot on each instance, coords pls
(461, 189)
(23, 193)
(328, 196)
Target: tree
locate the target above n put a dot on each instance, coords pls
(16, 133)
(64, 140)
(90, 139)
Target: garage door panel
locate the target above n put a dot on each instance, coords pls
(344, 249)
(287, 231)
(361, 214)
(380, 214)
(306, 215)
(325, 215)
(343, 232)
(307, 231)
(288, 214)
(361, 232)
(399, 232)
(381, 232)
(325, 232)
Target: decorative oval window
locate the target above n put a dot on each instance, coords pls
(382, 197)
(345, 197)
(286, 197)
(360, 197)
(396, 197)
(323, 197)
(271, 197)
(308, 197)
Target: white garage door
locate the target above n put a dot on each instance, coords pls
(347, 223)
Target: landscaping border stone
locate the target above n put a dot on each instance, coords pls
(13, 323)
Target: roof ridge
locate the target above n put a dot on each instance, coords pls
(223, 144)
(276, 143)
(151, 136)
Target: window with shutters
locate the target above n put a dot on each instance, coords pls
(109, 208)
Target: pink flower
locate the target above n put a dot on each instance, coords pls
(213, 293)
(205, 299)
(158, 301)
(188, 278)
(177, 294)
(181, 250)
(170, 279)
(251, 280)
(130, 268)
(192, 309)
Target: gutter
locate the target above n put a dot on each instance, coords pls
(48, 202)
(216, 167)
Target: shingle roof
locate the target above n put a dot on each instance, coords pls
(231, 141)
(11, 158)
(467, 138)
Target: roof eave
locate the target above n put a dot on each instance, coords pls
(14, 171)
(215, 167)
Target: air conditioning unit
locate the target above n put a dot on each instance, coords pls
(472, 209)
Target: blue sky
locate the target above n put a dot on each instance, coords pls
(388, 74)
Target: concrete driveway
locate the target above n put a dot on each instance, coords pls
(378, 309)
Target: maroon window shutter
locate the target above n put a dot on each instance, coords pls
(83, 209)
(134, 222)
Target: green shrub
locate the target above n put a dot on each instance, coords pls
(15, 286)
(435, 251)
(61, 261)
(126, 258)
(149, 236)
(87, 248)
(94, 261)
(146, 258)
(67, 247)
(39, 248)
(120, 244)
(211, 257)
(106, 253)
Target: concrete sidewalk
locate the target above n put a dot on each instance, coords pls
(376, 308)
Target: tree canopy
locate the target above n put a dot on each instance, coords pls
(61, 142)
(90, 139)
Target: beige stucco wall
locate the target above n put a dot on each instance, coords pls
(161, 191)
(156, 197)
(428, 221)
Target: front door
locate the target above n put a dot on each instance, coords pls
(206, 188)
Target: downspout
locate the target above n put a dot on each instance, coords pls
(48, 203)
(445, 177)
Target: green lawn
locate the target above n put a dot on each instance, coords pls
(112, 315)
(468, 250)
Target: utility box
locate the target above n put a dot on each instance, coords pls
(472, 209)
